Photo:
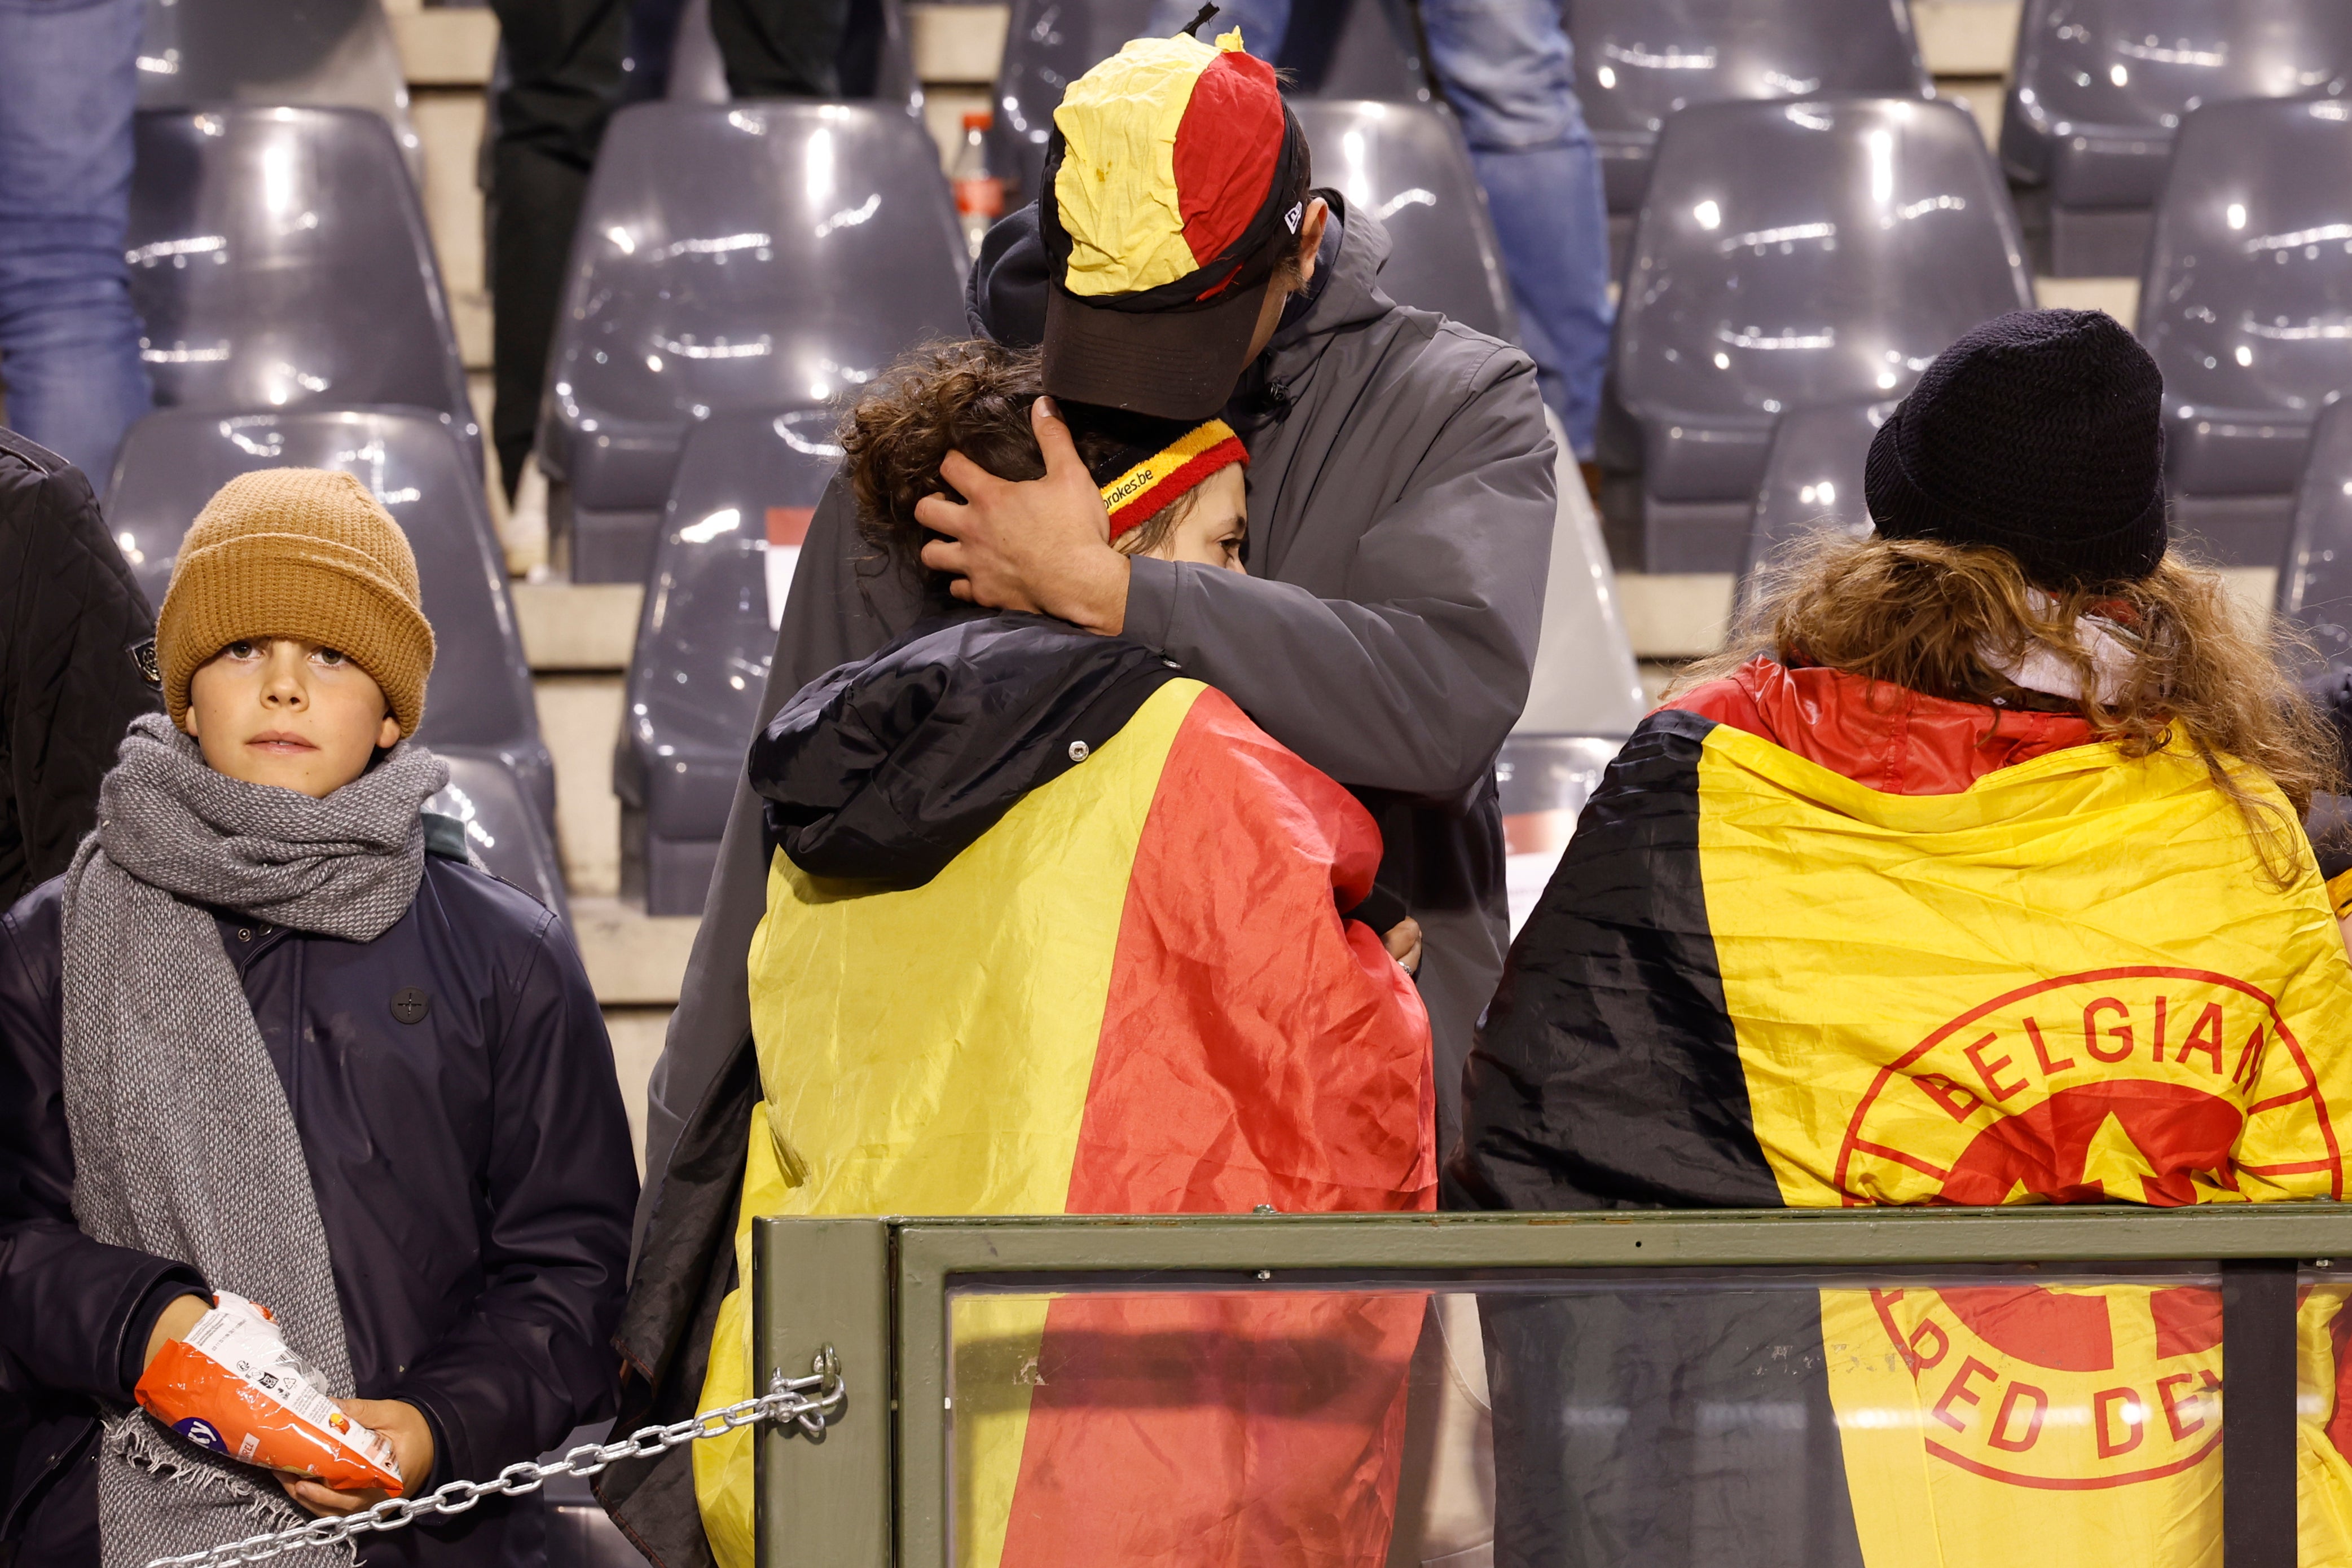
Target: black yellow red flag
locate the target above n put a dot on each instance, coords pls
(1133, 994)
(1757, 981)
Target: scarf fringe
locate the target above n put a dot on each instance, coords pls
(140, 1444)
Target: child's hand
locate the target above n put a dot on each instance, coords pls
(412, 1450)
(1403, 943)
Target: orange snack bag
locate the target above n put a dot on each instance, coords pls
(236, 1386)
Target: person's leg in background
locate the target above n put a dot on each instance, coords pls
(781, 49)
(563, 66)
(1263, 23)
(1507, 68)
(69, 337)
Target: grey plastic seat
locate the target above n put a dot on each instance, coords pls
(2247, 308)
(312, 54)
(1336, 48)
(875, 61)
(746, 485)
(1812, 477)
(1048, 44)
(2100, 88)
(1544, 781)
(1793, 253)
(477, 707)
(1354, 48)
(2315, 585)
(1584, 696)
(279, 260)
(1408, 163)
(1639, 62)
(751, 255)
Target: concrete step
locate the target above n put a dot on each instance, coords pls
(2118, 296)
(578, 627)
(956, 43)
(451, 46)
(449, 124)
(578, 639)
(633, 958)
(1673, 616)
(1967, 37)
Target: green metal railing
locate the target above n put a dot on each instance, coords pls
(874, 1490)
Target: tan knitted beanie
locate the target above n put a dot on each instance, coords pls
(298, 552)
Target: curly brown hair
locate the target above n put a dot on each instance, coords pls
(971, 397)
(1921, 615)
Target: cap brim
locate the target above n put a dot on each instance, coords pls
(1172, 364)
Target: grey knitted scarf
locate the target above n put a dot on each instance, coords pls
(184, 1143)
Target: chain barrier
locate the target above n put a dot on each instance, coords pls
(807, 1403)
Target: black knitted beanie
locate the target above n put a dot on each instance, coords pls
(2041, 433)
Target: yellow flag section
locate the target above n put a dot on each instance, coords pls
(2011, 995)
(2086, 1420)
(1001, 1116)
(2008, 996)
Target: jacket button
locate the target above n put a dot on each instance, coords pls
(410, 1005)
(1079, 751)
(244, 934)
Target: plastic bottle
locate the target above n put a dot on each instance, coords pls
(979, 196)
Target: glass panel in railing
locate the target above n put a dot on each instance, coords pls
(1753, 1417)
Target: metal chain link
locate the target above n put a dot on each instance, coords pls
(807, 1403)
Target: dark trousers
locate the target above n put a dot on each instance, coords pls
(564, 68)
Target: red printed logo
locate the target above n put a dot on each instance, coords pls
(2057, 1389)
(2133, 1085)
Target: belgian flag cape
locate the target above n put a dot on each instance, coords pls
(1818, 943)
(1133, 993)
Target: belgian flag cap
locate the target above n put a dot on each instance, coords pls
(1168, 179)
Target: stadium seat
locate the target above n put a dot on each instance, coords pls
(731, 535)
(1344, 49)
(2315, 585)
(2100, 88)
(2247, 308)
(1790, 253)
(755, 255)
(1638, 61)
(1584, 696)
(279, 260)
(321, 54)
(477, 707)
(1353, 48)
(1049, 44)
(874, 61)
(1408, 163)
(1812, 477)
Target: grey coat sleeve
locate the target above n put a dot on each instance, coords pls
(1411, 679)
(840, 608)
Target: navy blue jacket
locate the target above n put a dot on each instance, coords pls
(473, 1170)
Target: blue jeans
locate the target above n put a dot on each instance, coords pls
(1506, 67)
(69, 337)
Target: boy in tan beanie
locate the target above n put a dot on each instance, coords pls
(291, 642)
(268, 1044)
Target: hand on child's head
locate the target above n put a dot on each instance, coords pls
(290, 713)
(1215, 522)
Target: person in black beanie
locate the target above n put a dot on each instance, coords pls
(1843, 925)
(2040, 433)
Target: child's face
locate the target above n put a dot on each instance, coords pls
(278, 710)
(1210, 533)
